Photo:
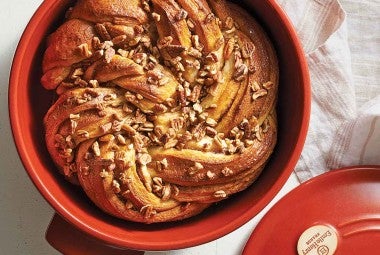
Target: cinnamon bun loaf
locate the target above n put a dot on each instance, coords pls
(163, 107)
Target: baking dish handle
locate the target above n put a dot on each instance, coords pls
(69, 240)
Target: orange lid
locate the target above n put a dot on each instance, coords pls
(335, 213)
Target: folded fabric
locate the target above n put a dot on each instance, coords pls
(325, 37)
(357, 141)
(333, 95)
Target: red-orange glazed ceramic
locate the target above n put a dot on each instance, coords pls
(336, 213)
(28, 102)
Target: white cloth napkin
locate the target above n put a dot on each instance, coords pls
(343, 59)
(342, 45)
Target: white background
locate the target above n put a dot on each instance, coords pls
(24, 214)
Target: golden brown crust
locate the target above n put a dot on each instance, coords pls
(164, 107)
(126, 12)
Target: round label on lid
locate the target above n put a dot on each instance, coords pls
(318, 240)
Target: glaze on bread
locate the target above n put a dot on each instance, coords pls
(164, 106)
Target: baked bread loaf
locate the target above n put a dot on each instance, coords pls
(163, 106)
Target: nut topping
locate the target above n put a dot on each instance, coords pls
(220, 194)
(164, 105)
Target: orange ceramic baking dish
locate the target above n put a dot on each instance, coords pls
(29, 101)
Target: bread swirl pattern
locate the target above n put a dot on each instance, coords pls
(164, 106)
